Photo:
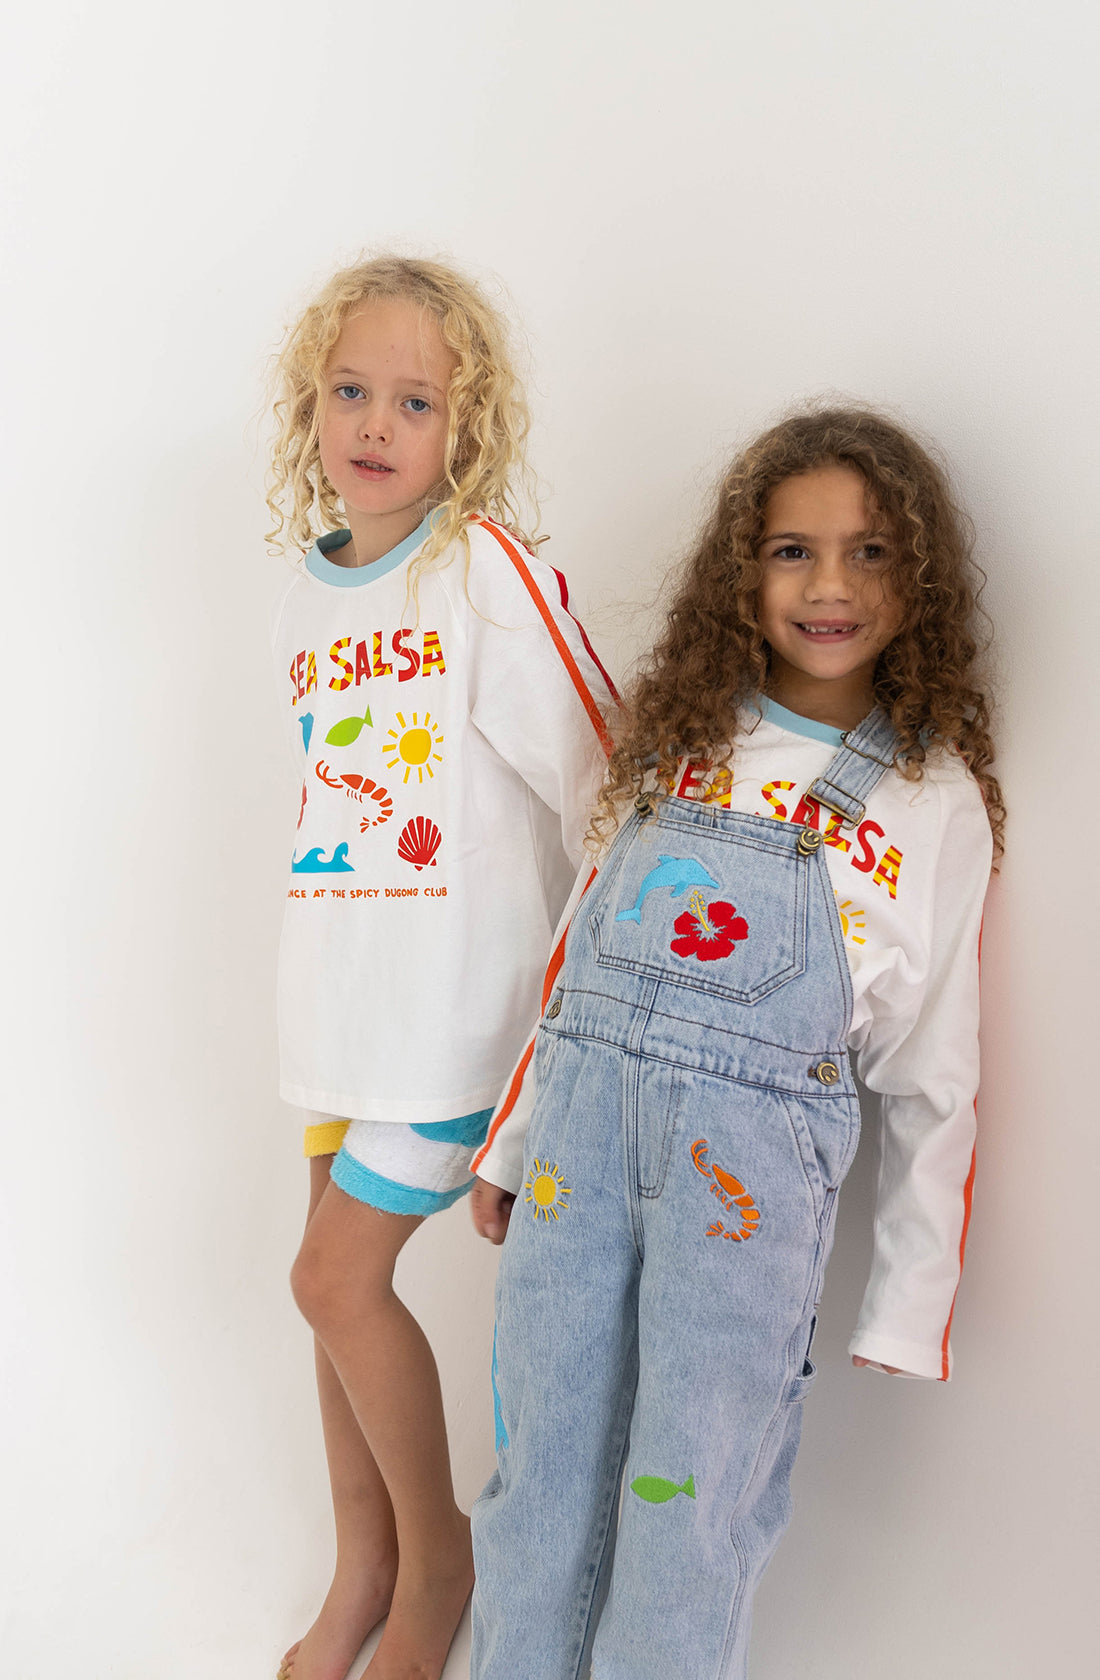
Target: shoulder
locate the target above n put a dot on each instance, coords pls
(495, 549)
(288, 592)
(947, 804)
(947, 775)
(503, 579)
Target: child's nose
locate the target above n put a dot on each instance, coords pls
(374, 421)
(830, 579)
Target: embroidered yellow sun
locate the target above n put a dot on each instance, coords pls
(545, 1189)
(414, 745)
(853, 923)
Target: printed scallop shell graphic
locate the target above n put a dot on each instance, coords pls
(418, 842)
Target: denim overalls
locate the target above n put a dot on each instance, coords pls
(695, 1116)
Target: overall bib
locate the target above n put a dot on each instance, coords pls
(695, 1116)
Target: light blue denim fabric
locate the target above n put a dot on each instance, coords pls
(696, 1114)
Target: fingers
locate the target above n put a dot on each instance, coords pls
(491, 1209)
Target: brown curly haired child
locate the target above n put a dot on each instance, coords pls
(797, 830)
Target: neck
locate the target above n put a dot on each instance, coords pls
(839, 706)
(373, 535)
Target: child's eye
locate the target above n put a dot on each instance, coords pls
(872, 553)
(790, 551)
(419, 405)
(349, 392)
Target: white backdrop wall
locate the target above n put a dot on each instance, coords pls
(702, 213)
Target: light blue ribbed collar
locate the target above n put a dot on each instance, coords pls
(779, 715)
(354, 577)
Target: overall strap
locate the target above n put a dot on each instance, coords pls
(867, 754)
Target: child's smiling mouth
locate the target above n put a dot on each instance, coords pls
(368, 467)
(834, 631)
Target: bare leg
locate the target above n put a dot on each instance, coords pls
(366, 1540)
(343, 1282)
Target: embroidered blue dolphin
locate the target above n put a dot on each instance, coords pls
(674, 872)
(315, 863)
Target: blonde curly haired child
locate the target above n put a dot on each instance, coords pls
(446, 721)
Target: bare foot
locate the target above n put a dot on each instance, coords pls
(352, 1608)
(425, 1614)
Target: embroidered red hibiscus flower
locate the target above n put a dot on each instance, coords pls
(708, 931)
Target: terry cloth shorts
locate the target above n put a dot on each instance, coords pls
(400, 1169)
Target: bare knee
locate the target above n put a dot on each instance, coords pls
(333, 1289)
(317, 1285)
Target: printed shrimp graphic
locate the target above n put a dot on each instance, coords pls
(360, 788)
(730, 1192)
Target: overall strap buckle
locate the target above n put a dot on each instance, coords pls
(857, 767)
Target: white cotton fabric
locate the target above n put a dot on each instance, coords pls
(439, 839)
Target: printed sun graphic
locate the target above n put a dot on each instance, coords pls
(414, 745)
(853, 923)
(545, 1189)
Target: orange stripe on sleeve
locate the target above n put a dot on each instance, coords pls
(506, 1106)
(553, 969)
(582, 688)
(563, 590)
(968, 1202)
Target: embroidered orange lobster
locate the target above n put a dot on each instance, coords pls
(730, 1192)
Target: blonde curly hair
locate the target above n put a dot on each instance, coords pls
(713, 658)
(485, 464)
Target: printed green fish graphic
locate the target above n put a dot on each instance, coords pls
(655, 1490)
(342, 734)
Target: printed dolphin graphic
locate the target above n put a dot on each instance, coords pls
(674, 872)
(656, 1490)
(314, 862)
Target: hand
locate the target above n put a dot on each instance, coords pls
(894, 1370)
(491, 1209)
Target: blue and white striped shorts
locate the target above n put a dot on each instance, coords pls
(414, 1170)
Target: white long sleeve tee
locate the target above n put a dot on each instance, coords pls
(448, 739)
(910, 881)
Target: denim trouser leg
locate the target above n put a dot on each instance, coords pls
(694, 1119)
(544, 1529)
(724, 1330)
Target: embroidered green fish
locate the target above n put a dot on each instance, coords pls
(655, 1490)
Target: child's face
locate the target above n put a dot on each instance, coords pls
(826, 605)
(384, 425)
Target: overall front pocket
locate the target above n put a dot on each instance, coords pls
(722, 913)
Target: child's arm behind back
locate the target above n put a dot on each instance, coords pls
(923, 1063)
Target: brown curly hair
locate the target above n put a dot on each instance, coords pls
(713, 659)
